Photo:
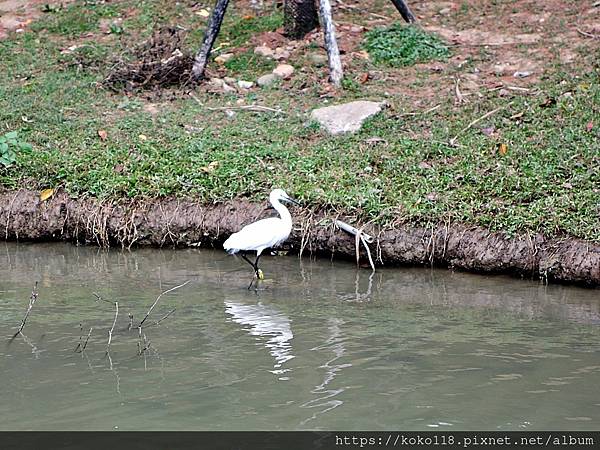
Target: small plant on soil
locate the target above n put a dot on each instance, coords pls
(399, 45)
(9, 145)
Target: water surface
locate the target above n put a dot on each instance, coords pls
(324, 346)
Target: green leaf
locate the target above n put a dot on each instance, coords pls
(25, 146)
(5, 161)
(3, 147)
(11, 135)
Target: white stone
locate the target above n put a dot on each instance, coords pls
(347, 117)
(245, 84)
(283, 71)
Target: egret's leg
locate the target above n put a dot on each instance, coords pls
(259, 273)
(248, 261)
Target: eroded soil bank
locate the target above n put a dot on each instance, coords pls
(176, 222)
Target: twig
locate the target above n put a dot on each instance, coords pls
(110, 332)
(82, 347)
(253, 107)
(102, 299)
(87, 339)
(427, 111)
(161, 319)
(476, 121)
(32, 299)
(586, 34)
(156, 302)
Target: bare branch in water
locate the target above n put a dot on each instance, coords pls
(161, 319)
(32, 299)
(130, 326)
(102, 299)
(156, 302)
(82, 347)
(110, 332)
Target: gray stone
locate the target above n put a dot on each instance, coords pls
(347, 117)
(318, 59)
(266, 80)
(263, 50)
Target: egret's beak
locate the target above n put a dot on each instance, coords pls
(291, 200)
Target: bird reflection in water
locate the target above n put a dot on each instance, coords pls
(326, 400)
(269, 323)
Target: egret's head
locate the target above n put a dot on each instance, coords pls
(281, 195)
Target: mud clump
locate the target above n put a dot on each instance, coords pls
(159, 62)
(181, 223)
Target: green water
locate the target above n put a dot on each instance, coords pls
(324, 346)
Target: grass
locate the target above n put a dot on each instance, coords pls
(547, 181)
(404, 45)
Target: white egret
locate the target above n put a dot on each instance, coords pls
(263, 233)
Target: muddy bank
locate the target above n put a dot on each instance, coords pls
(175, 222)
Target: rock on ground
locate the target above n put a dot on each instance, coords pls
(283, 71)
(266, 80)
(347, 117)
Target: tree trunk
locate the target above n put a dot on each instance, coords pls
(404, 10)
(333, 53)
(299, 17)
(214, 25)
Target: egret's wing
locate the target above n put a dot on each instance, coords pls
(254, 236)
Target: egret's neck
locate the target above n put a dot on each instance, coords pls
(282, 210)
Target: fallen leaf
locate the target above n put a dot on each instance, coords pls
(589, 126)
(502, 149)
(143, 137)
(203, 13)
(46, 194)
(211, 167)
(118, 168)
(248, 17)
(364, 78)
(103, 134)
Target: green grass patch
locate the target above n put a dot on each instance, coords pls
(399, 45)
(247, 65)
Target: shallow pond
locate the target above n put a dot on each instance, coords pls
(323, 346)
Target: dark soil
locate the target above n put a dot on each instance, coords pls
(175, 222)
